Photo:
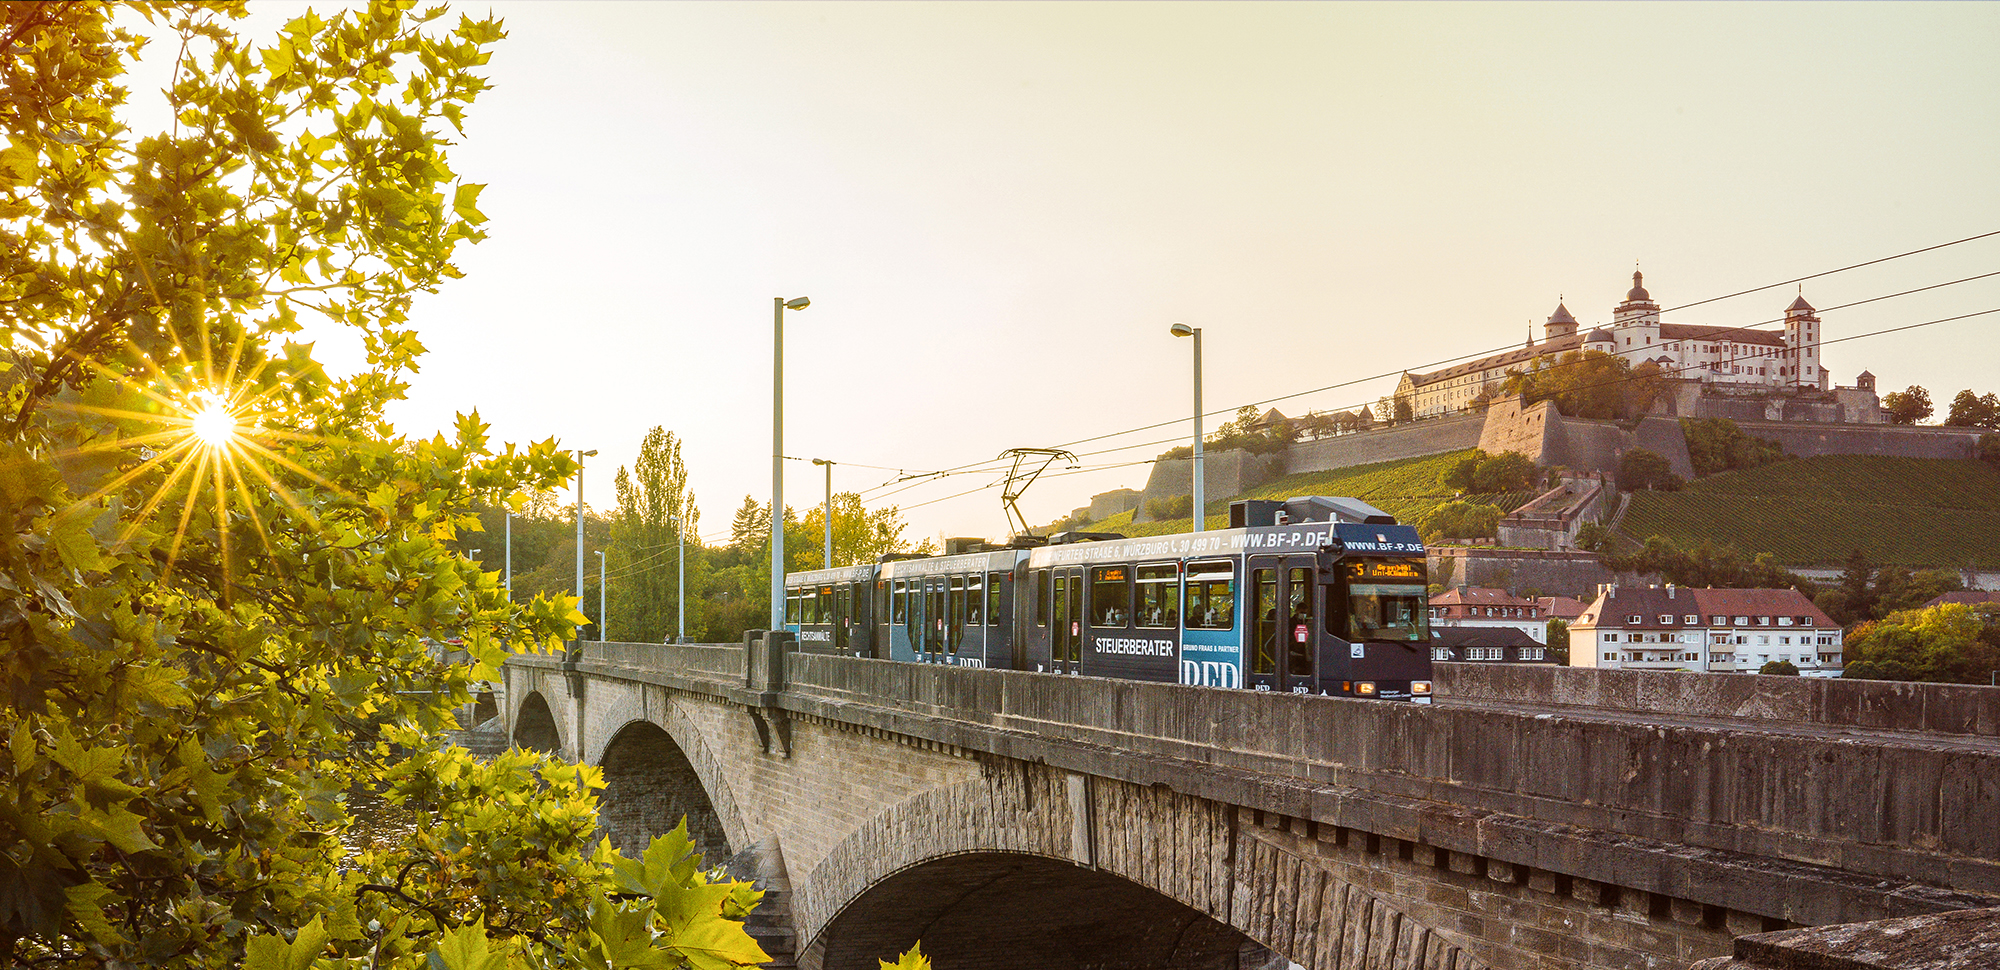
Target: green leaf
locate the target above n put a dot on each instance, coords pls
(912, 959)
(271, 952)
(465, 948)
(465, 202)
(75, 544)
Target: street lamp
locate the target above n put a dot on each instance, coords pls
(580, 456)
(1200, 509)
(681, 590)
(829, 509)
(600, 596)
(778, 307)
(509, 574)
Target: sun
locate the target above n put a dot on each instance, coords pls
(214, 424)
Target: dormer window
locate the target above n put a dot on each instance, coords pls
(1666, 620)
(1634, 620)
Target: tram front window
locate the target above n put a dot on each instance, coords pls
(1384, 611)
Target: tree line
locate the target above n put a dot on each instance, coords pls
(653, 529)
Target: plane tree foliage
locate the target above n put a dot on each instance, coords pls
(1951, 643)
(211, 641)
(1590, 384)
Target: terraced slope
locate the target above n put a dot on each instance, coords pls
(1815, 511)
(1406, 488)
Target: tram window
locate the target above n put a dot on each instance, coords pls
(1110, 595)
(1158, 605)
(826, 605)
(1061, 603)
(1042, 598)
(792, 607)
(1298, 630)
(1384, 611)
(956, 625)
(992, 599)
(902, 601)
(1264, 608)
(975, 598)
(881, 602)
(1211, 596)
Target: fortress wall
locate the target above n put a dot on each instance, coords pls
(1900, 441)
(1553, 573)
(1416, 439)
(1224, 473)
(1663, 437)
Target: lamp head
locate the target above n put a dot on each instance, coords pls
(821, 461)
(798, 303)
(600, 553)
(586, 454)
(1183, 330)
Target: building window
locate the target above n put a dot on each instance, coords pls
(1635, 619)
(1763, 621)
(1691, 619)
(1532, 653)
(1611, 656)
(1742, 621)
(1440, 653)
(1482, 653)
(1666, 620)
(1718, 620)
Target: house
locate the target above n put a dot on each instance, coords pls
(1714, 630)
(1482, 608)
(1470, 644)
(1969, 597)
(1563, 608)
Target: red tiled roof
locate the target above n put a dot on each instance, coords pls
(1668, 331)
(1478, 596)
(1561, 607)
(1970, 597)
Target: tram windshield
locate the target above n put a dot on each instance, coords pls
(1387, 601)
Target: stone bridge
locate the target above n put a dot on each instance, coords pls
(1534, 817)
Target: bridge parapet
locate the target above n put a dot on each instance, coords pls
(1810, 830)
(1872, 705)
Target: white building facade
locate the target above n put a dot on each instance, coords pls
(1710, 630)
(1735, 356)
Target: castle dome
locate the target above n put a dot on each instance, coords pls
(1799, 304)
(1638, 294)
(1562, 315)
(1597, 336)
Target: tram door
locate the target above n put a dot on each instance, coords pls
(1282, 647)
(1066, 626)
(934, 619)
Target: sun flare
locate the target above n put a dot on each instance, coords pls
(214, 424)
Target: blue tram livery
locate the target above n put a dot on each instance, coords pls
(1315, 595)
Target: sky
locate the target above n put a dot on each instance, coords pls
(998, 210)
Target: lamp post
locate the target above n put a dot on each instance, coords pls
(580, 456)
(778, 307)
(681, 588)
(509, 574)
(829, 509)
(1200, 507)
(600, 596)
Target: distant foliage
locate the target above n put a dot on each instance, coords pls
(1642, 470)
(1708, 564)
(1951, 643)
(1779, 668)
(1482, 474)
(1988, 449)
(1590, 384)
(1718, 445)
(1170, 507)
(1865, 592)
(1594, 537)
(1460, 520)
(1559, 641)
(1908, 406)
(1969, 410)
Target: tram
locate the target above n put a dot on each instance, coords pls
(1315, 595)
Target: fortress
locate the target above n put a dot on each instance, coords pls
(1714, 372)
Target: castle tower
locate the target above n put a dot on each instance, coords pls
(1635, 324)
(1802, 336)
(1561, 323)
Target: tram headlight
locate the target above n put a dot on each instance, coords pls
(1365, 688)
(1420, 687)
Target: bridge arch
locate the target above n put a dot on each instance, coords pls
(650, 784)
(535, 726)
(661, 754)
(1056, 844)
(976, 910)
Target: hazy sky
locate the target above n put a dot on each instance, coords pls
(999, 209)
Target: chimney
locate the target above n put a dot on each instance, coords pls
(1670, 591)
